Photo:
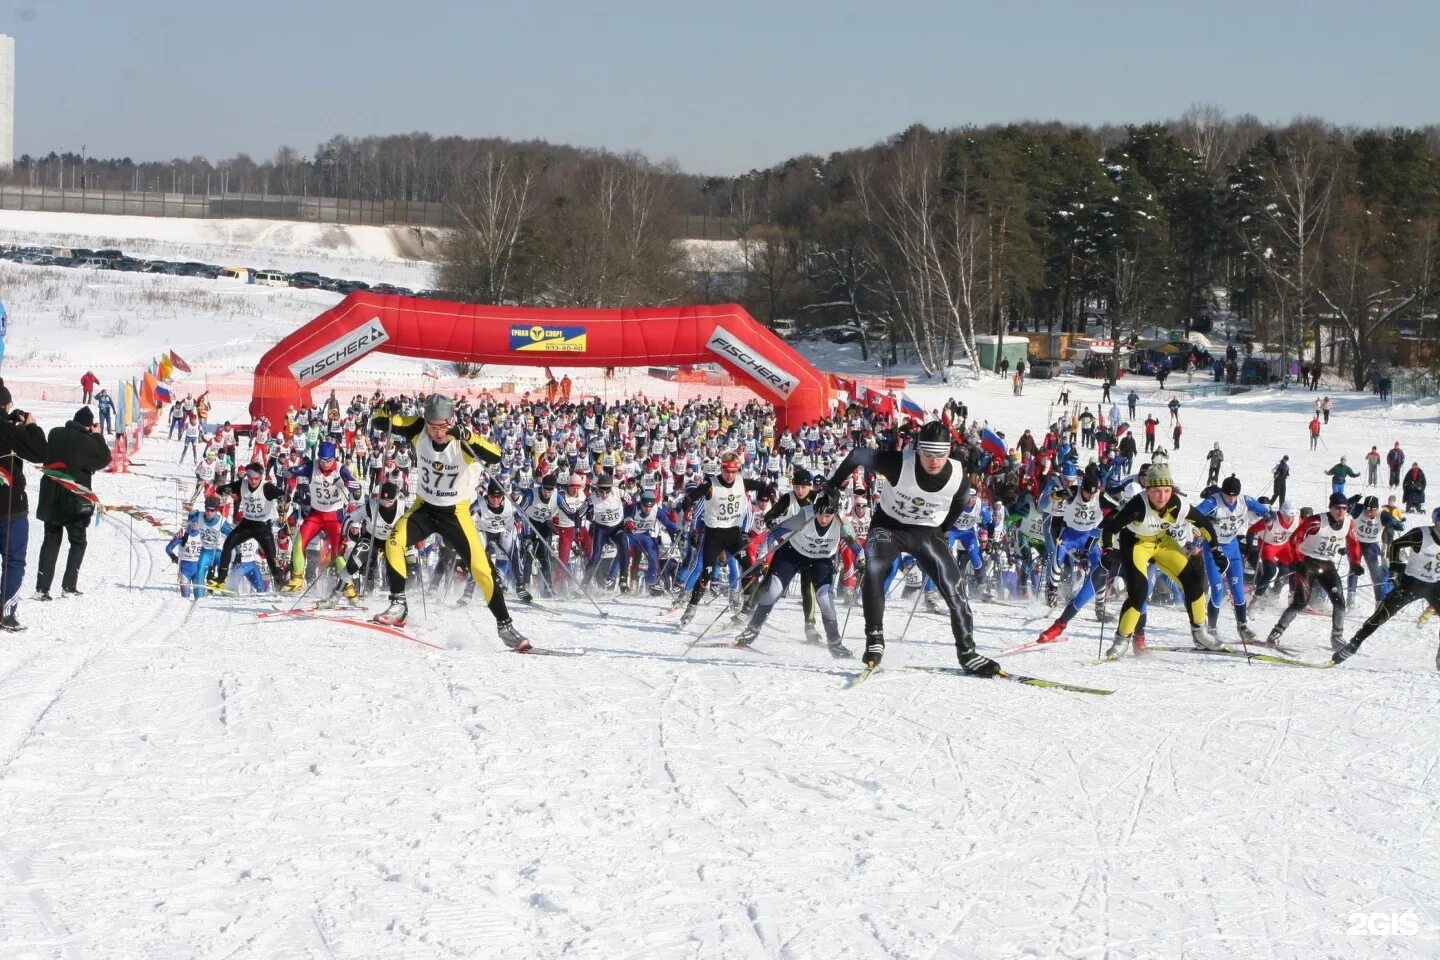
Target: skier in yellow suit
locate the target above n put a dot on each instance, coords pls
(444, 449)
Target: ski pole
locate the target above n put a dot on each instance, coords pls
(778, 544)
(859, 585)
(544, 541)
(913, 607)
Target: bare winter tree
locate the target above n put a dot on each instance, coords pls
(933, 261)
(479, 258)
(1285, 236)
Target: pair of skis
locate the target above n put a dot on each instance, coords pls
(869, 672)
(1251, 655)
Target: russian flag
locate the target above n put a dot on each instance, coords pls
(162, 393)
(991, 443)
(910, 408)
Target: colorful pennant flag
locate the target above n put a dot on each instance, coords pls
(177, 363)
(56, 472)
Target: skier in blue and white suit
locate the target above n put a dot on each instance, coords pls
(1232, 514)
(644, 525)
(965, 534)
(209, 528)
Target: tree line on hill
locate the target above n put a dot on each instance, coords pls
(1323, 239)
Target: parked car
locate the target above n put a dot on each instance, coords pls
(1042, 369)
(92, 263)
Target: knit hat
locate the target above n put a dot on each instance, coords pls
(5, 396)
(84, 417)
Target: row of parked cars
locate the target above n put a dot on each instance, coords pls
(111, 259)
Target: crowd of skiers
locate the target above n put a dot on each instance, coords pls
(556, 499)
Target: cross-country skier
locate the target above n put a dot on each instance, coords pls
(922, 491)
(444, 451)
(1231, 514)
(1078, 539)
(1320, 543)
(332, 490)
(727, 502)
(1369, 529)
(1417, 577)
(258, 501)
(1143, 532)
(814, 536)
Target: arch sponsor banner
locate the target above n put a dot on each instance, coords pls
(365, 323)
(541, 338)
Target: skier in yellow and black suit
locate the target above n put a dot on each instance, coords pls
(1143, 532)
(444, 450)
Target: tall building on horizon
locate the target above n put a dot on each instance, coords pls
(7, 102)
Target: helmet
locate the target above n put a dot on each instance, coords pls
(932, 437)
(439, 407)
(212, 502)
(1231, 486)
(1337, 500)
(1372, 503)
(1159, 476)
(825, 504)
(326, 451)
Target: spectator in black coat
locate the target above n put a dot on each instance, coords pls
(1413, 489)
(21, 439)
(78, 449)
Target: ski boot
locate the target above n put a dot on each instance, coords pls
(1139, 643)
(394, 615)
(747, 636)
(68, 592)
(1337, 641)
(523, 595)
(43, 596)
(838, 650)
(511, 637)
(295, 584)
(812, 635)
(8, 622)
(1345, 651)
(874, 648)
(1052, 596)
(978, 665)
(1245, 633)
(688, 614)
(931, 604)
(349, 592)
(1273, 639)
(1204, 638)
(656, 590)
(1120, 646)
(1051, 633)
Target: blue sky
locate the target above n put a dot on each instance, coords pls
(720, 88)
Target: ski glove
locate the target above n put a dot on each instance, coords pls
(460, 432)
(1222, 562)
(1397, 571)
(979, 665)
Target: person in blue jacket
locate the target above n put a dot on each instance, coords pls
(1232, 514)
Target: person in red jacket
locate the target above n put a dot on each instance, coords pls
(1315, 548)
(88, 383)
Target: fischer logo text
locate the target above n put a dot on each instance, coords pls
(752, 361)
(330, 358)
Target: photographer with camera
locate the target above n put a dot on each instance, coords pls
(79, 449)
(21, 439)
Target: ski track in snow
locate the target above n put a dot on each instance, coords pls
(183, 780)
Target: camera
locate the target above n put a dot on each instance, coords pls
(18, 416)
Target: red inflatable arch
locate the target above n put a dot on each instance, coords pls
(363, 323)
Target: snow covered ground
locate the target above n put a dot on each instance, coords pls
(185, 780)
